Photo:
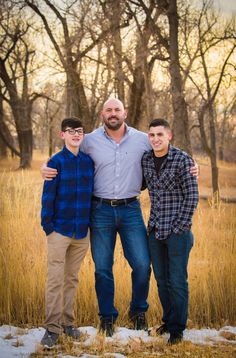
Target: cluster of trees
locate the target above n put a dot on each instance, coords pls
(161, 57)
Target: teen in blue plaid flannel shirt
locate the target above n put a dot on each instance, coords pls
(65, 218)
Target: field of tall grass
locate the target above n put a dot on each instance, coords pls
(212, 267)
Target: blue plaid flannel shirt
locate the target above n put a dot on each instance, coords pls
(66, 200)
(173, 193)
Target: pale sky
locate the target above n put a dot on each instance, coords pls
(228, 6)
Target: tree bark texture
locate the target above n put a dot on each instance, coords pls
(21, 109)
(180, 124)
(6, 140)
(77, 104)
(141, 74)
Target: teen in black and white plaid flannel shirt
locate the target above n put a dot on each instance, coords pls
(173, 192)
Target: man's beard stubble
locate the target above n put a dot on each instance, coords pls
(113, 127)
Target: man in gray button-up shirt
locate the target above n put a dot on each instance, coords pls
(118, 171)
(117, 150)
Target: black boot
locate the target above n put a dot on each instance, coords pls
(107, 326)
(139, 321)
(175, 338)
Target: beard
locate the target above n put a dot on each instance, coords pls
(113, 126)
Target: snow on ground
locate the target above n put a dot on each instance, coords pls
(18, 342)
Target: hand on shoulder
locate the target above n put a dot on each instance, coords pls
(47, 172)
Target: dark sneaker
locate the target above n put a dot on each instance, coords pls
(49, 339)
(107, 326)
(72, 332)
(139, 321)
(162, 330)
(175, 338)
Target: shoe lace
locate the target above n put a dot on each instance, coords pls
(51, 335)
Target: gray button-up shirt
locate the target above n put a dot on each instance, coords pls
(118, 170)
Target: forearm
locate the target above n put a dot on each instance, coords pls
(47, 172)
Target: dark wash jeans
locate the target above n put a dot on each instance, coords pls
(106, 222)
(170, 260)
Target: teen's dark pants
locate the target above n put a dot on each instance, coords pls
(169, 259)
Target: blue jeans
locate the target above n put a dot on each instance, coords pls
(170, 260)
(106, 222)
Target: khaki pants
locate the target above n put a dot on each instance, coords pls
(65, 256)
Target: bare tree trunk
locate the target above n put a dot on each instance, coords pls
(180, 125)
(136, 94)
(210, 149)
(222, 136)
(23, 122)
(77, 104)
(7, 139)
(25, 138)
(5, 136)
(213, 156)
(115, 7)
(21, 109)
(214, 175)
(21, 112)
(3, 149)
(138, 86)
(148, 97)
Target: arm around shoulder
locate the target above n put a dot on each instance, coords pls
(48, 172)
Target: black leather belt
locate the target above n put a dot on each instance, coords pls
(115, 202)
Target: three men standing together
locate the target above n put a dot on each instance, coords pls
(117, 151)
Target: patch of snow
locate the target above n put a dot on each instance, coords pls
(208, 335)
(20, 343)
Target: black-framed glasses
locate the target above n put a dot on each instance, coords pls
(73, 131)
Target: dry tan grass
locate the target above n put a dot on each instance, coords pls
(212, 268)
(227, 177)
(139, 349)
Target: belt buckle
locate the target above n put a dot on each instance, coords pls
(112, 203)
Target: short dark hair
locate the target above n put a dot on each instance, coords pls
(72, 122)
(159, 122)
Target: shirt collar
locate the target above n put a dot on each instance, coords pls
(170, 153)
(69, 153)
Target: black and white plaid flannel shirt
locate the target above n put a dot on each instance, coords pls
(173, 193)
